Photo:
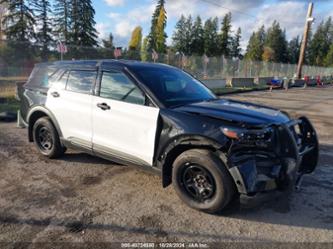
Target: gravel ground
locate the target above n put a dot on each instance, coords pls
(80, 198)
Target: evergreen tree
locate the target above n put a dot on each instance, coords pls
(161, 35)
(183, 35)
(144, 50)
(329, 57)
(188, 35)
(235, 45)
(20, 20)
(225, 37)
(320, 43)
(109, 42)
(294, 47)
(62, 19)
(255, 47)
(276, 40)
(42, 10)
(178, 38)
(157, 36)
(83, 32)
(211, 37)
(198, 42)
(3, 12)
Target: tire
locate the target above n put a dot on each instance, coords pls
(194, 189)
(46, 139)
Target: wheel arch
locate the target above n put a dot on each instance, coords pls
(36, 113)
(180, 145)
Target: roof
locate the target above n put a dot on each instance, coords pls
(93, 63)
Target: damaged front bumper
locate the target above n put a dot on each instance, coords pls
(274, 159)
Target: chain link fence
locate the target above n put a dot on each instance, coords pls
(17, 60)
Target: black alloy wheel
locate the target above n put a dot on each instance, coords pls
(45, 140)
(202, 180)
(198, 182)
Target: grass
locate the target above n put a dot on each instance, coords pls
(8, 86)
(231, 90)
(10, 104)
(12, 79)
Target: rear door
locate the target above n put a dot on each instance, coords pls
(123, 125)
(70, 101)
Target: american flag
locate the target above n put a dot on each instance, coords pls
(154, 55)
(117, 53)
(184, 60)
(62, 48)
(205, 59)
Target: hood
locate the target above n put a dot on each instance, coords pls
(239, 112)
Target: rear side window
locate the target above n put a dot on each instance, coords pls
(81, 81)
(40, 76)
(117, 86)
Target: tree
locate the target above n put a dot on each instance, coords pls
(268, 54)
(157, 36)
(211, 37)
(42, 10)
(3, 12)
(178, 38)
(276, 40)
(20, 21)
(198, 42)
(236, 50)
(109, 42)
(62, 19)
(255, 47)
(183, 35)
(294, 47)
(144, 49)
(329, 57)
(225, 37)
(320, 43)
(135, 43)
(83, 32)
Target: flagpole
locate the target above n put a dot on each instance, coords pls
(61, 50)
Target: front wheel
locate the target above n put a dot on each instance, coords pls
(202, 181)
(46, 138)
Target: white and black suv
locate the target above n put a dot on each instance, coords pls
(212, 150)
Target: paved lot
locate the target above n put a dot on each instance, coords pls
(81, 198)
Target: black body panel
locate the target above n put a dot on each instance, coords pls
(237, 112)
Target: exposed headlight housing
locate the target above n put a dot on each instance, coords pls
(230, 133)
(251, 137)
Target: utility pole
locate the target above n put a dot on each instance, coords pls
(309, 21)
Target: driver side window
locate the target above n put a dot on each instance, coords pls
(117, 86)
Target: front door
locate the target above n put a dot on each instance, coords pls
(123, 125)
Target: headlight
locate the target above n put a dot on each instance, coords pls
(230, 133)
(255, 137)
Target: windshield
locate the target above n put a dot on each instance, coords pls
(173, 87)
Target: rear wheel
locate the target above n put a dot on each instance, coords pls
(202, 181)
(46, 138)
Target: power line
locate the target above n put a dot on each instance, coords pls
(242, 12)
(223, 7)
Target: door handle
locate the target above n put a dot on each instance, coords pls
(55, 94)
(104, 106)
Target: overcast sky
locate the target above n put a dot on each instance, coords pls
(121, 16)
